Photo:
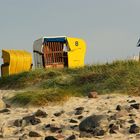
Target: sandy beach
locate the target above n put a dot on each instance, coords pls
(64, 117)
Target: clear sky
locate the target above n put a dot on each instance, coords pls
(111, 28)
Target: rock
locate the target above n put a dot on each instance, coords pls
(131, 121)
(132, 101)
(126, 107)
(47, 126)
(50, 138)
(34, 134)
(79, 110)
(58, 113)
(40, 113)
(18, 123)
(31, 120)
(7, 106)
(109, 111)
(73, 121)
(96, 125)
(72, 137)
(113, 128)
(80, 117)
(118, 108)
(134, 129)
(93, 94)
(73, 126)
(136, 106)
(4, 110)
(54, 128)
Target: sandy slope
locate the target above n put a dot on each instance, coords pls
(100, 105)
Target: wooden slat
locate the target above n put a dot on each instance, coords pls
(61, 51)
(51, 57)
(49, 53)
(56, 52)
(53, 54)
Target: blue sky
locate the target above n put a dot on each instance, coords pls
(111, 28)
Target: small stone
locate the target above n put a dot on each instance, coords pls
(18, 123)
(132, 101)
(32, 120)
(40, 113)
(113, 128)
(50, 138)
(131, 121)
(111, 131)
(73, 121)
(58, 113)
(55, 129)
(80, 117)
(79, 110)
(47, 126)
(4, 110)
(109, 111)
(93, 94)
(72, 137)
(118, 108)
(136, 106)
(134, 129)
(73, 126)
(34, 134)
(8, 106)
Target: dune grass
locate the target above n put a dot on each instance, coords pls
(43, 86)
(39, 97)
